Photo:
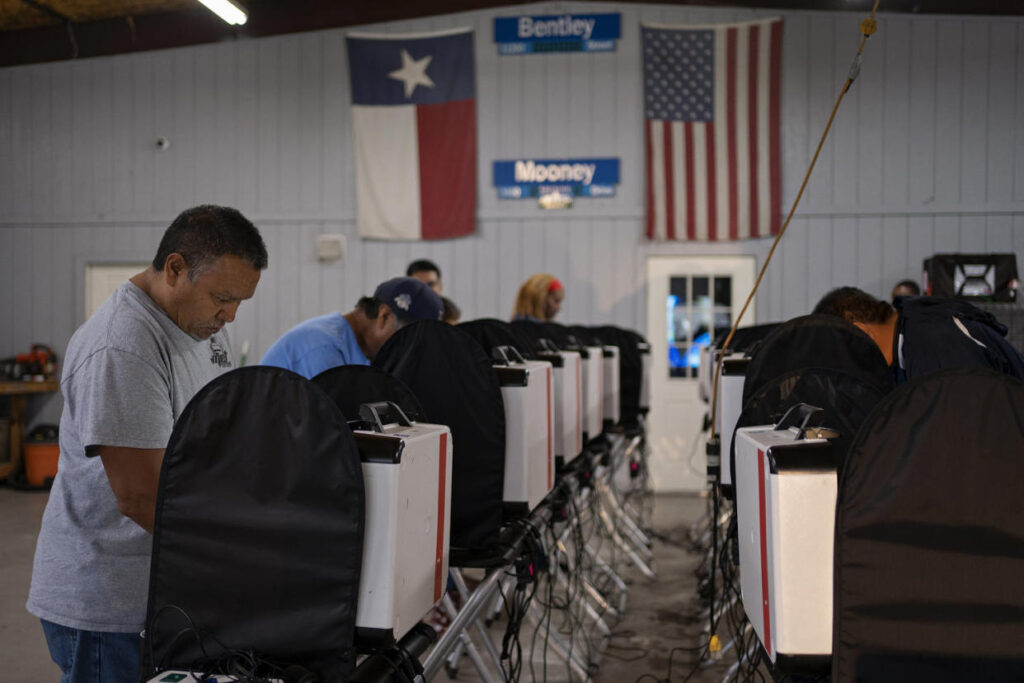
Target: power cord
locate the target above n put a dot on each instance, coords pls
(242, 665)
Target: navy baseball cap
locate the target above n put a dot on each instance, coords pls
(410, 299)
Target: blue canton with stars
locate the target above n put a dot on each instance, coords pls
(679, 75)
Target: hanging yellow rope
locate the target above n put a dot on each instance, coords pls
(867, 28)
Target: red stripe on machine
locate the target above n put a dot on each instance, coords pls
(764, 553)
(579, 411)
(442, 479)
(550, 443)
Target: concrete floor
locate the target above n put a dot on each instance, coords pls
(24, 656)
(660, 615)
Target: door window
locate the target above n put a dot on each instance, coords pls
(698, 311)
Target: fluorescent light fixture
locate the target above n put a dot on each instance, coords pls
(226, 10)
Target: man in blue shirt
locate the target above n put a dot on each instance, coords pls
(354, 338)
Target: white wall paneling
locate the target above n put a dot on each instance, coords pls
(927, 155)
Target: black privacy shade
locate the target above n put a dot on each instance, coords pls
(816, 341)
(746, 339)
(350, 386)
(491, 333)
(259, 527)
(845, 400)
(631, 368)
(533, 332)
(929, 548)
(820, 360)
(455, 383)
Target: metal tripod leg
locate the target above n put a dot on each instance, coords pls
(495, 611)
(474, 656)
(732, 641)
(460, 585)
(466, 645)
(723, 608)
(608, 571)
(588, 609)
(630, 523)
(621, 544)
(562, 567)
(628, 530)
(740, 657)
(588, 586)
(608, 502)
(598, 598)
(618, 503)
(471, 608)
(596, 617)
(558, 644)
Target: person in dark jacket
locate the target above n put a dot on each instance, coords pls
(918, 335)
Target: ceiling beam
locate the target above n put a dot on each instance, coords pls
(273, 17)
(46, 9)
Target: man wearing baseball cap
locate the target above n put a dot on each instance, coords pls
(354, 338)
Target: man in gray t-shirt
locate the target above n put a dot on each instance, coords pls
(129, 372)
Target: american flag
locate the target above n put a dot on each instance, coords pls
(711, 104)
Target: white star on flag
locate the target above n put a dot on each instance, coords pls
(413, 73)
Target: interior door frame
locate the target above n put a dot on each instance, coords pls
(673, 440)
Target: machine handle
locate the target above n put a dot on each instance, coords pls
(548, 345)
(802, 413)
(507, 355)
(373, 412)
(575, 343)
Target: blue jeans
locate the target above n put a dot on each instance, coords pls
(93, 656)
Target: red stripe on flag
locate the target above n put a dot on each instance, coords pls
(691, 195)
(442, 470)
(774, 158)
(650, 179)
(752, 53)
(670, 207)
(765, 604)
(712, 182)
(447, 149)
(730, 116)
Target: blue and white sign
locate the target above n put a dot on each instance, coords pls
(557, 33)
(530, 178)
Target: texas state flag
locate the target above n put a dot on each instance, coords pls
(414, 118)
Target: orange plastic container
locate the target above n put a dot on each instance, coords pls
(41, 462)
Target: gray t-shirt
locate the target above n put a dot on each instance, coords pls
(129, 372)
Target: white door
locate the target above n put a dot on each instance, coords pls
(690, 301)
(101, 279)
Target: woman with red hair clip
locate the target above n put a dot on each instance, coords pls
(539, 299)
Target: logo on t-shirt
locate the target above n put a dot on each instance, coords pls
(218, 354)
